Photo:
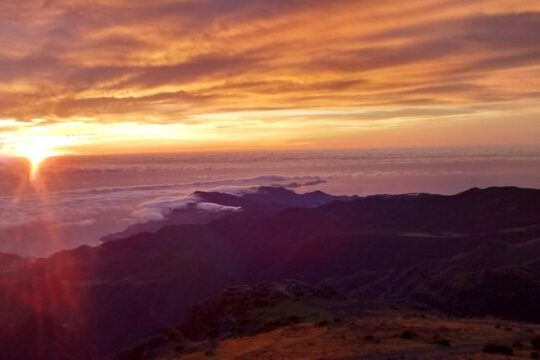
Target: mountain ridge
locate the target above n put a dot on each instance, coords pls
(401, 247)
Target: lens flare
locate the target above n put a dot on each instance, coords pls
(36, 150)
(36, 154)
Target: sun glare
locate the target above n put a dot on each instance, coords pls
(36, 151)
(35, 155)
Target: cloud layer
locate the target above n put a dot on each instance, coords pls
(287, 73)
(41, 223)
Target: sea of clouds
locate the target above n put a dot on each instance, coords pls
(84, 216)
(90, 197)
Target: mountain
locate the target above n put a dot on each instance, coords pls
(202, 207)
(454, 254)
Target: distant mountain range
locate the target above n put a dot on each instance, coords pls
(472, 254)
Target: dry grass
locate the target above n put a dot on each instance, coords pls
(377, 337)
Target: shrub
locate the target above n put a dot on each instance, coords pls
(407, 334)
(261, 302)
(442, 342)
(497, 349)
(173, 334)
(211, 350)
(294, 319)
(535, 342)
(270, 325)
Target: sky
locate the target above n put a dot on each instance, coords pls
(113, 76)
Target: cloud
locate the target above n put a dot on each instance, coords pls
(41, 223)
(194, 62)
(236, 190)
(83, 222)
(145, 215)
(101, 206)
(215, 208)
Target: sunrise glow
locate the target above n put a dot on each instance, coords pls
(36, 150)
(36, 154)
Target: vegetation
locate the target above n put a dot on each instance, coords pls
(535, 343)
(443, 342)
(407, 334)
(497, 349)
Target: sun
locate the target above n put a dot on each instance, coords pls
(35, 155)
(36, 151)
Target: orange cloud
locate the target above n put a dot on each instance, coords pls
(270, 73)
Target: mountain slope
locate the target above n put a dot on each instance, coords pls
(407, 247)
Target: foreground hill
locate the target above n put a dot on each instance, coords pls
(473, 253)
(292, 320)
